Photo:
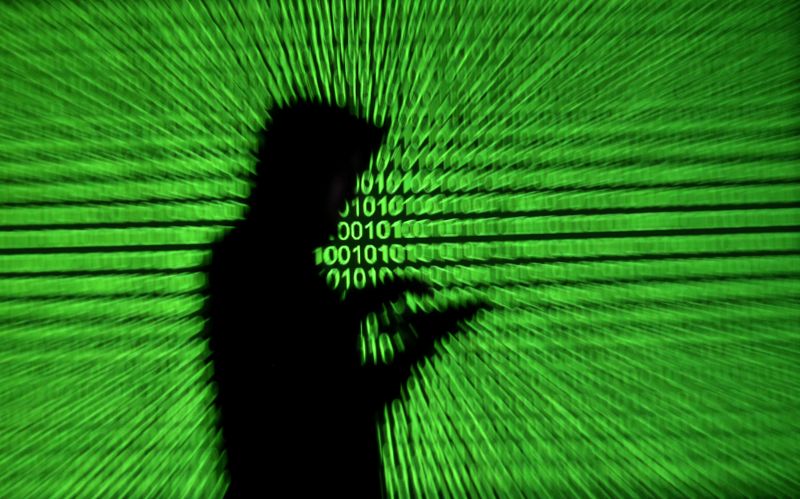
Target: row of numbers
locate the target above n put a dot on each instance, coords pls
(357, 278)
(381, 182)
(369, 206)
(370, 230)
(358, 255)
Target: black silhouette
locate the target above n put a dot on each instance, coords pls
(298, 410)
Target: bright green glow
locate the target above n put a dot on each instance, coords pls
(641, 360)
(177, 261)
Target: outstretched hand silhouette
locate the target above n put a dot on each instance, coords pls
(297, 402)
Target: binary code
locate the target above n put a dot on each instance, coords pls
(619, 181)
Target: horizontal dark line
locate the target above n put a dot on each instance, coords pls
(95, 296)
(697, 137)
(607, 258)
(438, 216)
(57, 179)
(640, 233)
(777, 276)
(141, 152)
(121, 225)
(124, 202)
(592, 259)
(106, 249)
(61, 180)
(438, 191)
(634, 161)
(660, 302)
(710, 279)
(489, 261)
(590, 235)
(157, 152)
(102, 319)
(597, 211)
(617, 187)
(109, 272)
(439, 240)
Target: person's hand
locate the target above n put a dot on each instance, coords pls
(374, 299)
(395, 305)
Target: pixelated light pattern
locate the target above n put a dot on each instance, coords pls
(619, 180)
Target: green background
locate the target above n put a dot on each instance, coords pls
(620, 180)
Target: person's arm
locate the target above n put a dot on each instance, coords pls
(416, 334)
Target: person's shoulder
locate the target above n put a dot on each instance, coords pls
(227, 249)
(241, 235)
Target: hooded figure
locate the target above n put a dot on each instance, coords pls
(298, 408)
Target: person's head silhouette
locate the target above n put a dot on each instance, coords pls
(309, 158)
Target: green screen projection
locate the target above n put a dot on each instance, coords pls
(619, 180)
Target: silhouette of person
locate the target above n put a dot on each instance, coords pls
(297, 407)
